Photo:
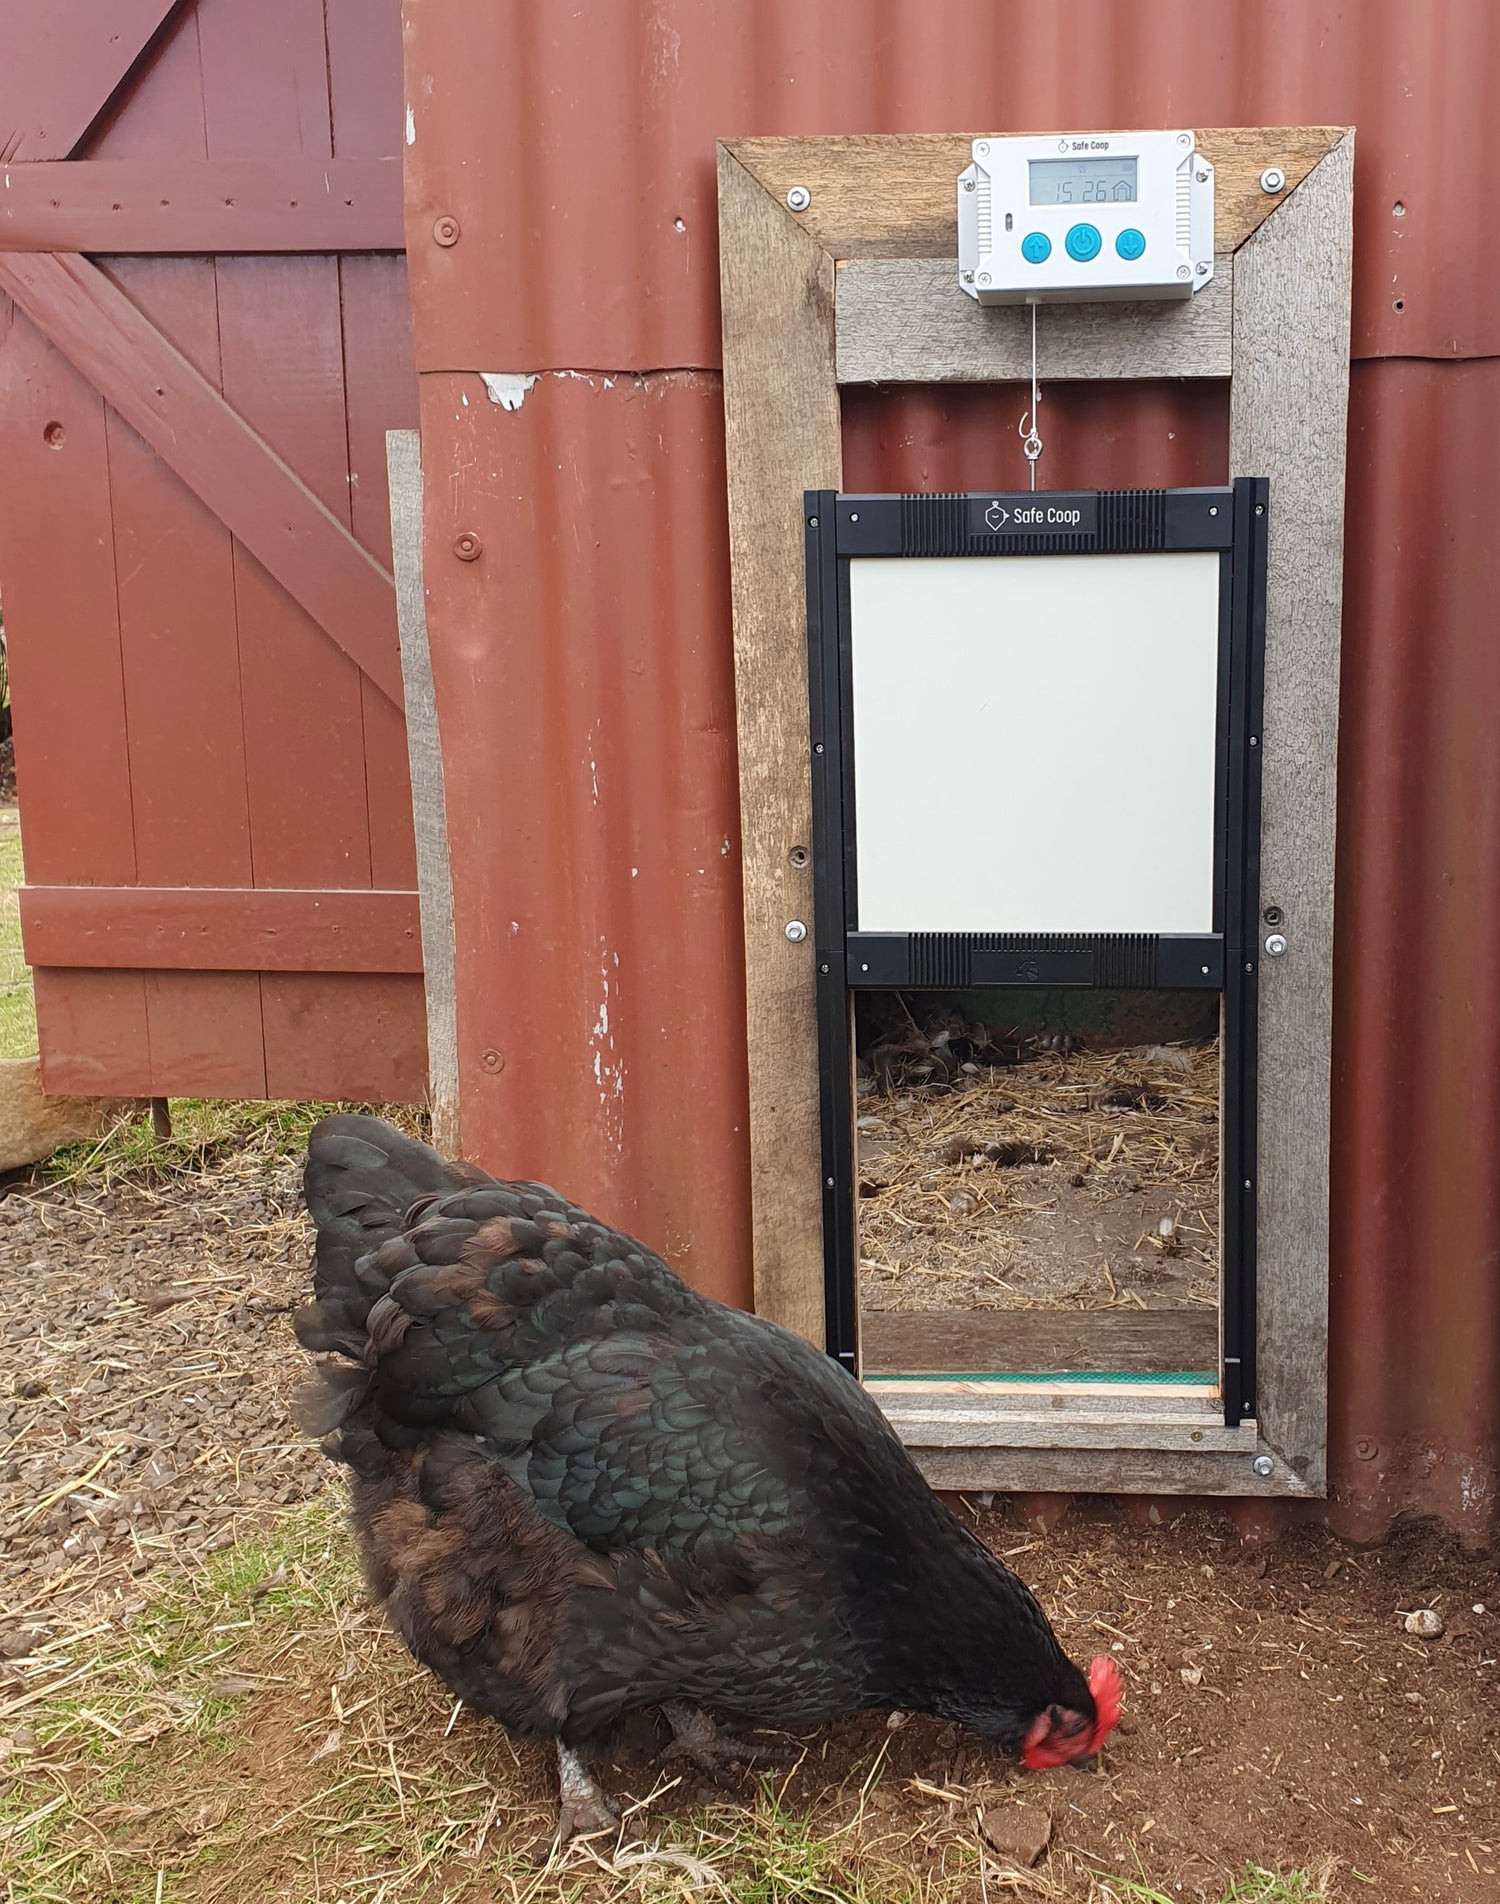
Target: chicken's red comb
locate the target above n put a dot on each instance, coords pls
(1104, 1684)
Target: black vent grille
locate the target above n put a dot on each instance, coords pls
(1127, 960)
(938, 525)
(940, 959)
(1131, 519)
(943, 961)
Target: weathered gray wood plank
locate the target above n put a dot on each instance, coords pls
(1102, 1471)
(1288, 410)
(781, 425)
(403, 455)
(905, 320)
(959, 1341)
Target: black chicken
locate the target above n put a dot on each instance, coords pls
(581, 1489)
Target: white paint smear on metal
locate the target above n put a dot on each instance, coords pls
(507, 387)
(1034, 742)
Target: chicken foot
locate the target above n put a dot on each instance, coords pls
(583, 1809)
(697, 1738)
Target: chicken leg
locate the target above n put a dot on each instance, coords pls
(583, 1810)
(696, 1737)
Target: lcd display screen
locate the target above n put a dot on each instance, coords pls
(1101, 181)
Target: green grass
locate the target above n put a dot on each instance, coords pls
(1254, 1885)
(205, 1131)
(17, 1001)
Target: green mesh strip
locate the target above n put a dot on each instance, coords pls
(1172, 1378)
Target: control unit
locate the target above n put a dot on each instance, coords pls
(1076, 217)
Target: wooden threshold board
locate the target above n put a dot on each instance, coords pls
(1039, 1341)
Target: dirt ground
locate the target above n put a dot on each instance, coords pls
(1044, 1184)
(197, 1704)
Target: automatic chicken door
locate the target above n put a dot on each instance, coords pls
(1089, 817)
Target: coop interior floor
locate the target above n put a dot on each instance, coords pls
(1057, 1213)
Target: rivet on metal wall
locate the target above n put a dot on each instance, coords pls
(467, 547)
(492, 1060)
(446, 230)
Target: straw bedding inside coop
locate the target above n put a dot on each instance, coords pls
(1081, 1183)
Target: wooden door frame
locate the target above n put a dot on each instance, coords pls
(858, 287)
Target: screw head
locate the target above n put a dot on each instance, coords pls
(796, 931)
(467, 546)
(968, 277)
(984, 277)
(968, 185)
(1201, 268)
(798, 199)
(492, 1060)
(1184, 271)
(982, 149)
(1276, 944)
(445, 230)
(1365, 1448)
(1202, 177)
(1272, 179)
(1263, 1465)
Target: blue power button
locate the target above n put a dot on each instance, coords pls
(1036, 247)
(1083, 243)
(1130, 244)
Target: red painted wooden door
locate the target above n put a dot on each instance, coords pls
(204, 336)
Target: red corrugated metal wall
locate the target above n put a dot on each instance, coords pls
(585, 667)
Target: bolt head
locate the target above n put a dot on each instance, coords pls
(796, 931)
(445, 231)
(1263, 1465)
(1272, 179)
(1276, 944)
(798, 198)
